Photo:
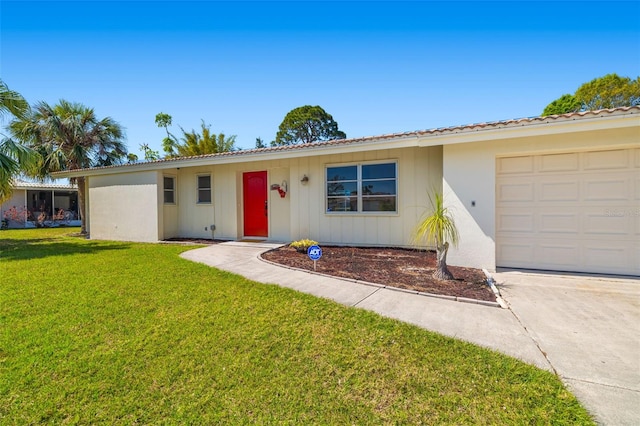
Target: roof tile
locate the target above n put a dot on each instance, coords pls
(418, 133)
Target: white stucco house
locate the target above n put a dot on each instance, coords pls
(554, 193)
(43, 203)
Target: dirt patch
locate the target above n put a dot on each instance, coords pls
(394, 267)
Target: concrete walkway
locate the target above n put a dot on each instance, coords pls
(554, 322)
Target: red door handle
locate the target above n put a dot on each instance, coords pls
(266, 208)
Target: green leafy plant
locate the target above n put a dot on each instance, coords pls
(438, 228)
(307, 124)
(193, 143)
(609, 91)
(301, 246)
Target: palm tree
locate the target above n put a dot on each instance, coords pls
(193, 143)
(13, 156)
(70, 136)
(206, 143)
(438, 227)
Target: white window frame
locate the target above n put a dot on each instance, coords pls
(173, 190)
(359, 181)
(198, 189)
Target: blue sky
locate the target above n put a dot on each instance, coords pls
(377, 67)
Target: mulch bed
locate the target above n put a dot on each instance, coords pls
(394, 267)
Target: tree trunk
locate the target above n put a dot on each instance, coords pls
(442, 272)
(81, 208)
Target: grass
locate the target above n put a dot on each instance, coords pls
(109, 332)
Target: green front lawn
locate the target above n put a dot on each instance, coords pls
(109, 332)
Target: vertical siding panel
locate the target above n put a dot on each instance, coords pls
(297, 191)
(335, 230)
(280, 208)
(415, 175)
(359, 230)
(302, 209)
(347, 229)
(384, 235)
(373, 155)
(371, 230)
(225, 201)
(315, 203)
(185, 200)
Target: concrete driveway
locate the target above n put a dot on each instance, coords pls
(588, 327)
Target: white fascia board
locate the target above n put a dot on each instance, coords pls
(465, 135)
(531, 129)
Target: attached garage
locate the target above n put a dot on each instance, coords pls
(573, 211)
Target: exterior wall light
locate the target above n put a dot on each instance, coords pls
(304, 180)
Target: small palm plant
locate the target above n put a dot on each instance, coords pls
(439, 228)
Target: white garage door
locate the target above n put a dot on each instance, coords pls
(569, 212)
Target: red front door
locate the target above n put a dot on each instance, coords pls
(256, 208)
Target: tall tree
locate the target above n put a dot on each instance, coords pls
(14, 157)
(307, 124)
(170, 141)
(70, 136)
(610, 91)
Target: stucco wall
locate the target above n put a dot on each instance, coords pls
(469, 175)
(124, 207)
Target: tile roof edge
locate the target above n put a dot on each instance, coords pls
(417, 133)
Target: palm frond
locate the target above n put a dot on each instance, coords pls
(438, 226)
(12, 102)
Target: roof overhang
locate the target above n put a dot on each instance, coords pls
(512, 129)
(42, 186)
(536, 129)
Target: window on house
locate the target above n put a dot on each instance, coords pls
(169, 190)
(204, 189)
(369, 187)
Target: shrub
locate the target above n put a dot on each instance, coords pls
(301, 246)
